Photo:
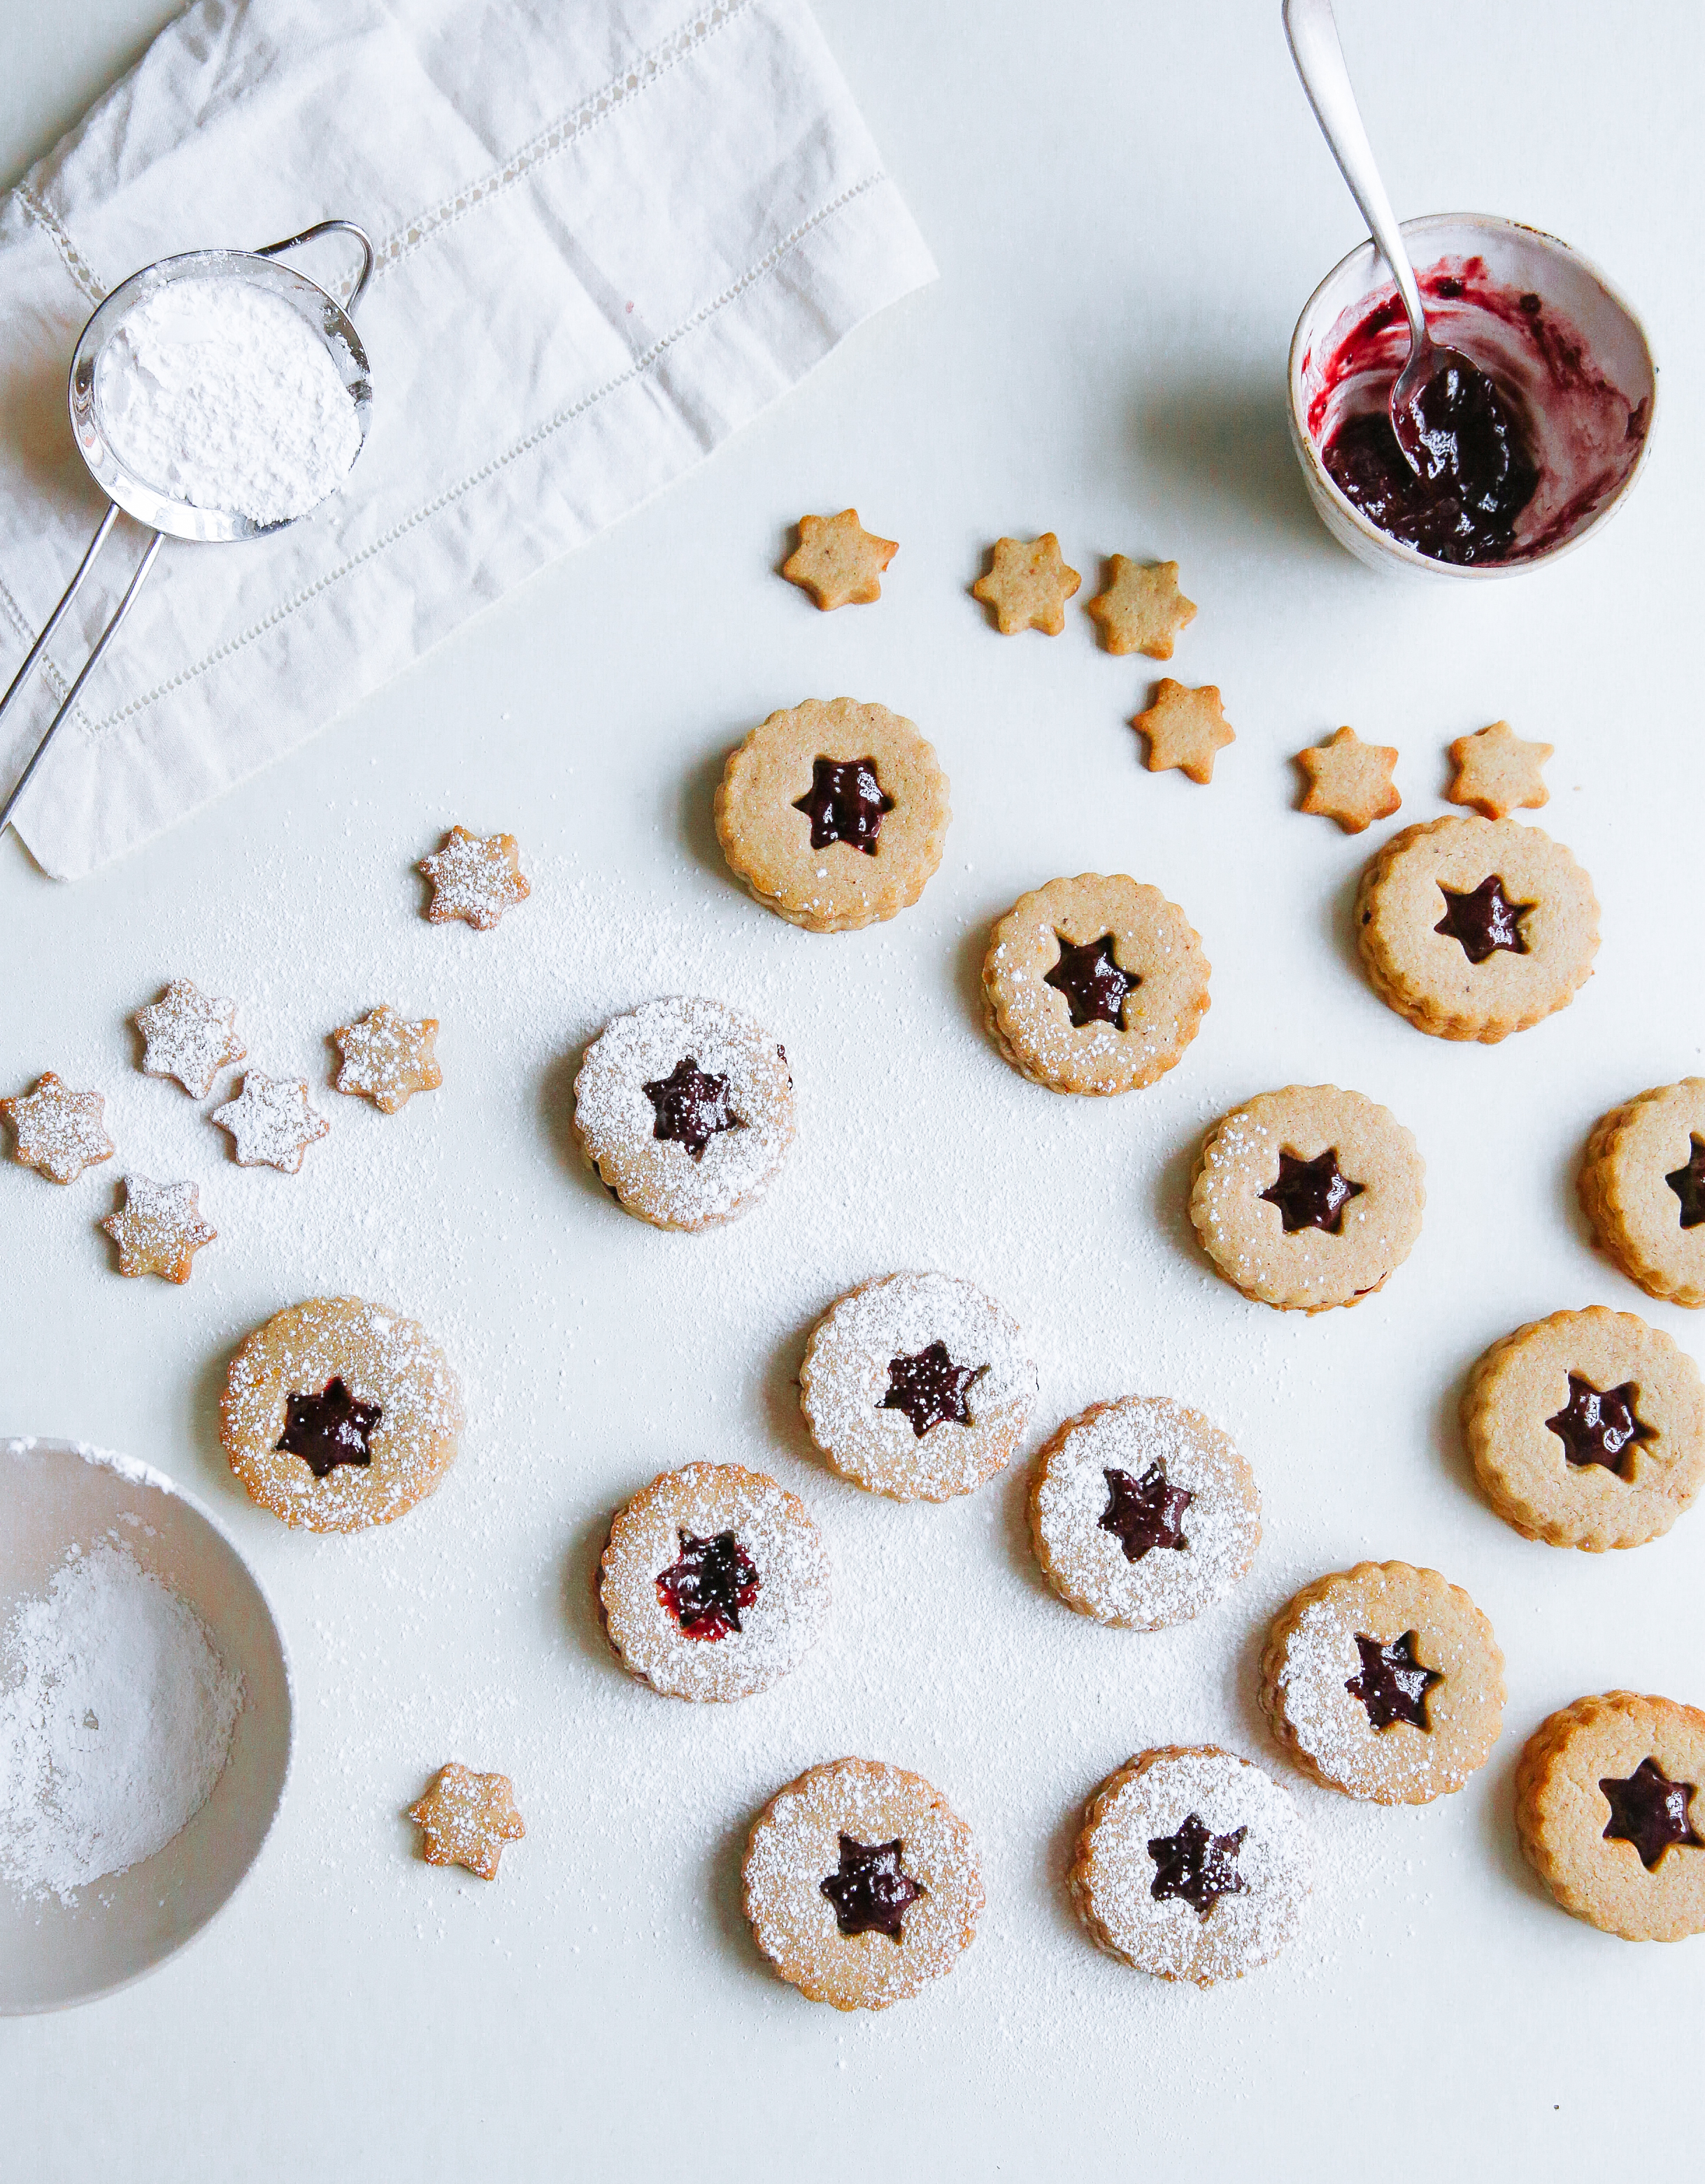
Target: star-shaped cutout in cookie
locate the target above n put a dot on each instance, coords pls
(1598, 1425)
(1651, 1812)
(844, 803)
(270, 1123)
(1183, 729)
(1144, 1513)
(1498, 773)
(1095, 987)
(388, 1058)
(838, 561)
(1349, 781)
(329, 1428)
(1485, 921)
(930, 1389)
(872, 1891)
(707, 1587)
(159, 1229)
(690, 1107)
(1311, 1194)
(1027, 585)
(188, 1034)
(1141, 609)
(1197, 1865)
(466, 1819)
(1390, 1683)
(56, 1131)
(475, 877)
(1688, 1182)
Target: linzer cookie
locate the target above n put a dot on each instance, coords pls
(1385, 1682)
(1309, 1198)
(339, 1414)
(1192, 1864)
(1142, 1513)
(1642, 1187)
(189, 1035)
(1095, 985)
(686, 1111)
(1473, 928)
(833, 815)
(159, 1229)
(1610, 1812)
(1587, 1430)
(861, 1885)
(918, 1386)
(56, 1131)
(713, 1584)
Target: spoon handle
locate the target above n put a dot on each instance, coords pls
(1319, 58)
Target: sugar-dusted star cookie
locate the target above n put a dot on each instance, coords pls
(1141, 609)
(1349, 781)
(1184, 728)
(271, 1122)
(56, 1131)
(475, 877)
(388, 1058)
(1027, 585)
(1497, 773)
(159, 1229)
(838, 561)
(188, 1034)
(466, 1819)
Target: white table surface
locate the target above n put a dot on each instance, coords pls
(1129, 204)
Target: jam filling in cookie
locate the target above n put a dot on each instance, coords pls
(1197, 1865)
(691, 1107)
(1096, 989)
(329, 1429)
(930, 1389)
(1144, 1513)
(1651, 1812)
(1390, 1683)
(1485, 921)
(872, 1891)
(706, 1589)
(1311, 1194)
(844, 803)
(1641, 1186)
(1688, 1182)
(1599, 1425)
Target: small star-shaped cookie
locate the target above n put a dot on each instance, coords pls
(270, 1123)
(475, 877)
(1027, 585)
(188, 1035)
(838, 561)
(1350, 781)
(466, 1819)
(1184, 728)
(1498, 773)
(1141, 609)
(388, 1057)
(58, 1132)
(159, 1229)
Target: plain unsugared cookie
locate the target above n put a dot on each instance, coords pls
(1095, 985)
(1142, 1513)
(860, 1884)
(918, 1386)
(1473, 928)
(1385, 1682)
(1349, 781)
(1610, 1814)
(1027, 585)
(837, 561)
(685, 1109)
(1309, 1198)
(339, 1414)
(713, 1583)
(833, 815)
(1587, 1430)
(1141, 609)
(1642, 1187)
(1192, 1864)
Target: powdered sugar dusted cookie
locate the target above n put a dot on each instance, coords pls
(686, 1110)
(1642, 1187)
(861, 1885)
(270, 1123)
(159, 1229)
(1095, 985)
(1192, 1864)
(713, 1583)
(387, 1059)
(339, 1414)
(475, 878)
(56, 1131)
(1142, 1513)
(189, 1035)
(1385, 1682)
(918, 1386)
(466, 1819)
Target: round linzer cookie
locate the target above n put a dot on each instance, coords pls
(1192, 1864)
(1095, 985)
(861, 1886)
(1473, 928)
(1385, 1682)
(1142, 1513)
(1642, 1187)
(686, 1111)
(1610, 1814)
(1587, 1430)
(1309, 1198)
(339, 1414)
(918, 1386)
(713, 1584)
(833, 813)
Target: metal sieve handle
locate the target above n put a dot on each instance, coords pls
(363, 242)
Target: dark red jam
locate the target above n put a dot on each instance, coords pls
(872, 1891)
(329, 1429)
(1651, 1812)
(1197, 1865)
(1311, 1194)
(690, 1107)
(1095, 987)
(1688, 1182)
(844, 803)
(1391, 1684)
(1598, 1425)
(1144, 1513)
(929, 1388)
(1485, 921)
(706, 1590)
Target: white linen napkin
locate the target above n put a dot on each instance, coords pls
(609, 234)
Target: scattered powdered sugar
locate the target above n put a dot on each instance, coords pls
(116, 1718)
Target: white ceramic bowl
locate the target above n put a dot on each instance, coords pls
(52, 1494)
(1516, 257)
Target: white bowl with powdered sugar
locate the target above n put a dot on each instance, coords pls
(145, 1722)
